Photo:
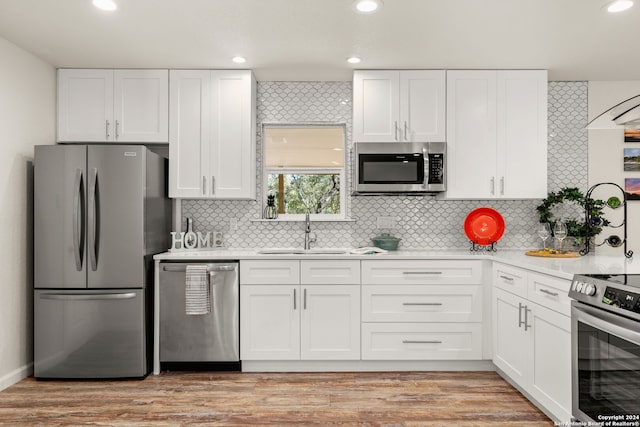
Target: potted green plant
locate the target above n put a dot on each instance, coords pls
(577, 229)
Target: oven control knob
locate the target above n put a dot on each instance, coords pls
(579, 286)
(589, 289)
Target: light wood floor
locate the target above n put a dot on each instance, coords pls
(292, 399)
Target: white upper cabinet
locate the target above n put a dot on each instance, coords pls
(233, 129)
(113, 105)
(497, 134)
(141, 105)
(85, 105)
(399, 106)
(189, 115)
(212, 134)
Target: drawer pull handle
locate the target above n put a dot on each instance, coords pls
(421, 272)
(545, 291)
(421, 303)
(421, 342)
(507, 278)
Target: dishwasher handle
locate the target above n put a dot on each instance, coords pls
(210, 267)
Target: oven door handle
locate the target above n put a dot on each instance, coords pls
(611, 323)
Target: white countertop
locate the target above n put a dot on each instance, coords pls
(561, 267)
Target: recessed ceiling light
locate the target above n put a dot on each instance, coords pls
(108, 5)
(239, 59)
(353, 60)
(367, 6)
(619, 6)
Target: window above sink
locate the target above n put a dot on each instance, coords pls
(304, 168)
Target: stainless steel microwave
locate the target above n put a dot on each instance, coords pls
(399, 167)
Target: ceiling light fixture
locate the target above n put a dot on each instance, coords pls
(353, 60)
(619, 6)
(108, 5)
(367, 6)
(239, 59)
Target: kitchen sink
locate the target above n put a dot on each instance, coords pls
(293, 251)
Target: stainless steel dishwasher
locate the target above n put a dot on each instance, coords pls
(209, 341)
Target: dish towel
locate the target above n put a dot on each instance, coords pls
(197, 290)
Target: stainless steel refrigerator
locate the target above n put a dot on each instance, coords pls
(100, 214)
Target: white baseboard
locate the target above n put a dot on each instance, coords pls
(364, 365)
(16, 376)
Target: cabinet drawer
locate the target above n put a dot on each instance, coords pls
(331, 272)
(551, 292)
(270, 272)
(510, 279)
(421, 341)
(416, 303)
(413, 272)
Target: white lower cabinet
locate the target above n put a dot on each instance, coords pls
(532, 342)
(330, 322)
(299, 321)
(269, 322)
(422, 310)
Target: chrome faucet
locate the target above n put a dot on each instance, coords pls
(308, 240)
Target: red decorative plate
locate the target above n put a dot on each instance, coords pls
(484, 226)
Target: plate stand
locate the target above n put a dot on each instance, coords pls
(479, 248)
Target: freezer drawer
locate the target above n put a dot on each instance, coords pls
(213, 337)
(90, 334)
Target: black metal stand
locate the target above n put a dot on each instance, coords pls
(590, 222)
(478, 248)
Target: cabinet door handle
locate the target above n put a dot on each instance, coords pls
(502, 185)
(545, 291)
(493, 185)
(510, 279)
(304, 299)
(107, 129)
(117, 125)
(395, 129)
(421, 303)
(421, 342)
(213, 185)
(204, 185)
(294, 299)
(406, 131)
(526, 318)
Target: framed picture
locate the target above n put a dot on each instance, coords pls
(632, 159)
(632, 135)
(632, 188)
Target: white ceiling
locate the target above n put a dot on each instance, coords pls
(310, 39)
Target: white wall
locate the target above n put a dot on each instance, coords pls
(27, 118)
(606, 157)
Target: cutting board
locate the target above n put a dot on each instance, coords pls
(547, 254)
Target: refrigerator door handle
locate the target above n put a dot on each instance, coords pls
(88, 297)
(78, 223)
(93, 221)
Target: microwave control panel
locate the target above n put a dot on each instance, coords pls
(436, 168)
(623, 299)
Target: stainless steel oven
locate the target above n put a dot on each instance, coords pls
(605, 349)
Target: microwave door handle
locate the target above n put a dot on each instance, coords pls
(425, 156)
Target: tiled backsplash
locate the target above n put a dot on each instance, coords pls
(421, 222)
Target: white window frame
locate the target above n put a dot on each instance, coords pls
(342, 172)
